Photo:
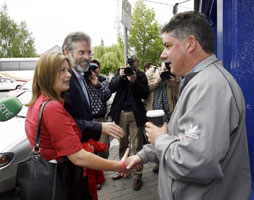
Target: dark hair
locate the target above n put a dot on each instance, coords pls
(74, 37)
(96, 62)
(147, 65)
(192, 23)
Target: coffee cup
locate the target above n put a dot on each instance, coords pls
(156, 117)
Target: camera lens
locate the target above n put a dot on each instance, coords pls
(165, 75)
(88, 74)
(128, 71)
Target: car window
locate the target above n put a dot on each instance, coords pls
(6, 80)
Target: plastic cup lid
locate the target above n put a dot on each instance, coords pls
(155, 113)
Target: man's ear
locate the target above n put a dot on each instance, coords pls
(191, 43)
(66, 52)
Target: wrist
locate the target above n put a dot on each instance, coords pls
(123, 166)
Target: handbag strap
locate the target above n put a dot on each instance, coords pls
(38, 134)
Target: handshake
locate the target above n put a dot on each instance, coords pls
(130, 164)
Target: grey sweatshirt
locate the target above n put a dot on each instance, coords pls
(205, 153)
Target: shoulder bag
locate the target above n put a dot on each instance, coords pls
(40, 179)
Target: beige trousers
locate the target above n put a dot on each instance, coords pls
(133, 137)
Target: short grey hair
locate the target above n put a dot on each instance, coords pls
(192, 23)
(74, 37)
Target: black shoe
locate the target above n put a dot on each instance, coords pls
(99, 186)
(117, 176)
(156, 169)
(137, 183)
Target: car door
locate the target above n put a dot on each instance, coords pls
(1, 83)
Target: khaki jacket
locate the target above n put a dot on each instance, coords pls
(153, 83)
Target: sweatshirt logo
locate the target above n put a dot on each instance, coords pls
(190, 132)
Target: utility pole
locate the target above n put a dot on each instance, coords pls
(126, 21)
(125, 45)
(118, 18)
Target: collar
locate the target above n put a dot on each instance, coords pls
(204, 63)
(201, 65)
(77, 74)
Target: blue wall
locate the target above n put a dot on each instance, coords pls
(238, 55)
(232, 23)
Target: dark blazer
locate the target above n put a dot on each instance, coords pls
(138, 91)
(77, 105)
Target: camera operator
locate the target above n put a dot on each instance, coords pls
(131, 67)
(99, 95)
(163, 89)
(128, 111)
(93, 76)
(163, 92)
(98, 87)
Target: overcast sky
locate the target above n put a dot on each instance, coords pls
(51, 20)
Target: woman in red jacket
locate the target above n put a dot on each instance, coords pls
(60, 135)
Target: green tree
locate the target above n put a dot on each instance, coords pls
(110, 58)
(144, 39)
(15, 39)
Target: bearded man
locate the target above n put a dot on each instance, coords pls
(77, 47)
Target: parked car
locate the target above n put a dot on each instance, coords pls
(27, 86)
(9, 84)
(14, 145)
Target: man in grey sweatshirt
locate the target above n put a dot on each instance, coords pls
(203, 151)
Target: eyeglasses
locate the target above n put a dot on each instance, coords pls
(82, 53)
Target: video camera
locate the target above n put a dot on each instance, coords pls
(92, 67)
(129, 70)
(167, 74)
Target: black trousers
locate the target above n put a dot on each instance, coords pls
(85, 195)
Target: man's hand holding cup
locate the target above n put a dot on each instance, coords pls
(155, 125)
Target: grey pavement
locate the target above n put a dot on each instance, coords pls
(119, 189)
(122, 188)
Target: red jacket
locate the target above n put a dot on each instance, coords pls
(95, 177)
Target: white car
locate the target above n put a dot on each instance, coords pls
(14, 145)
(27, 86)
(9, 84)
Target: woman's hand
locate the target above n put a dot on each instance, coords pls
(131, 164)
